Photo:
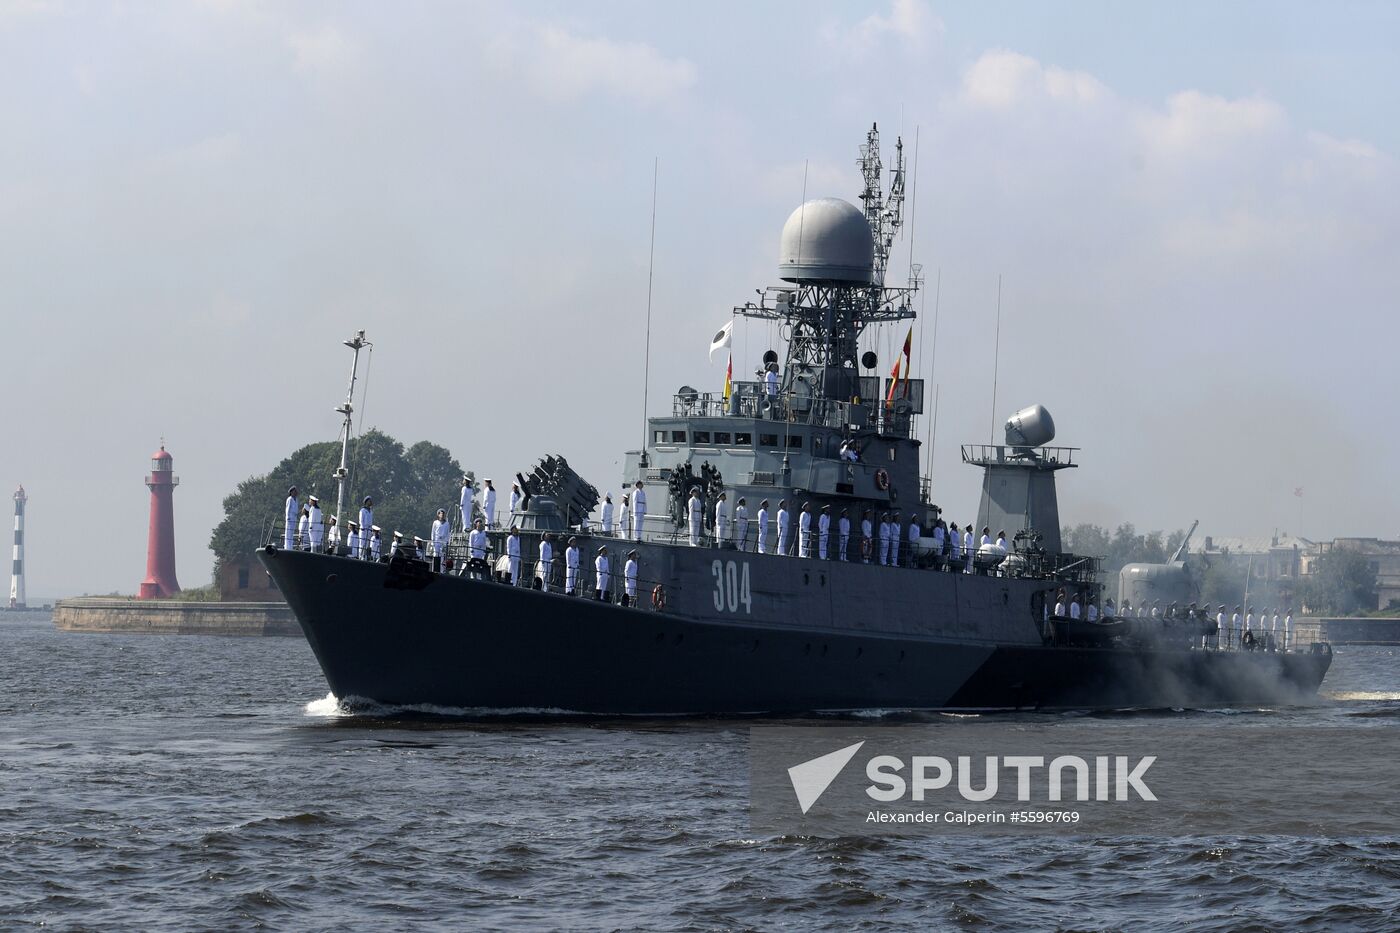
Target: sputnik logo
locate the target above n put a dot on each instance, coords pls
(811, 778)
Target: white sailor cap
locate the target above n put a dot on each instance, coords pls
(314, 499)
(353, 523)
(398, 534)
(375, 528)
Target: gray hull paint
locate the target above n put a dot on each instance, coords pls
(840, 637)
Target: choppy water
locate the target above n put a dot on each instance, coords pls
(181, 782)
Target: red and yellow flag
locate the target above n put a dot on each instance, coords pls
(895, 378)
(729, 377)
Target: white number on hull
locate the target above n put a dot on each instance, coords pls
(732, 586)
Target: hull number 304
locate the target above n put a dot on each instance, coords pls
(732, 586)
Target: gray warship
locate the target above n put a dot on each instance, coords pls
(718, 628)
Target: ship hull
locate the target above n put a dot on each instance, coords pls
(464, 644)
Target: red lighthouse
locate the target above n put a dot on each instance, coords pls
(160, 540)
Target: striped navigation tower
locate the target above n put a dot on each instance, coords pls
(17, 568)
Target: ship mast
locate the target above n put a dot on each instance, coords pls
(347, 408)
(824, 319)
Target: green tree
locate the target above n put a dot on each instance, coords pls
(408, 487)
(1342, 582)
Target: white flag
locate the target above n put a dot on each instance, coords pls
(722, 339)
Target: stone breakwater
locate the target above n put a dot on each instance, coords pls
(173, 617)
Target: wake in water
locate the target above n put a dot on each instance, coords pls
(332, 707)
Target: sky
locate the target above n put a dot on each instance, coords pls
(1193, 210)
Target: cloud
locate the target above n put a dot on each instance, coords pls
(562, 66)
(910, 22)
(323, 49)
(1000, 78)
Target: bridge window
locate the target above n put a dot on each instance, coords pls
(723, 437)
(768, 440)
(678, 437)
(701, 437)
(794, 440)
(658, 437)
(743, 438)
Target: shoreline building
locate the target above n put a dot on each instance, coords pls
(17, 558)
(160, 539)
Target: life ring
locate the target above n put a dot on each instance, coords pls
(658, 597)
(882, 480)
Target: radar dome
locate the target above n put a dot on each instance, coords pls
(1030, 427)
(827, 240)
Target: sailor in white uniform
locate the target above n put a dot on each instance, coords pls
(843, 533)
(546, 560)
(741, 524)
(513, 553)
(488, 503)
(763, 527)
(721, 519)
(1091, 612)
(954, 547)
(895, 535)
(784, 528)
(366, 525)
(1274, 624)
(1288, 629)
(607, 514)
(986, 537)
(290, 519)
(1249, 619)
(915, 533)
(867, 530)
(884, 539)
(315, 523)
(697, 511)
(804, 531)
(624, 516)
(332, 536)
(441, 533)
(571, 568)
(939, 539)
(515, 498)
(303, 528)
(353, 541)
(1001, 540)
(376, 543)
(770, 380)
(601, 575)
(823, 531)
(629, 580)
(1061, 610)
(464, 503)
(639, 510)
(477, 543)
(969, 552)
(1073, 603)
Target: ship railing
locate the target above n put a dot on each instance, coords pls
(456, 562)
(750, 400)
(991, 454)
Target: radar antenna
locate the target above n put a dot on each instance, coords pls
(884, 213)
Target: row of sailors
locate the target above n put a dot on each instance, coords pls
(815, 531)
(369, 545)
(479, 545)
(1273, 625)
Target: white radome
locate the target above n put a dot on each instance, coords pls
(827, 240)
